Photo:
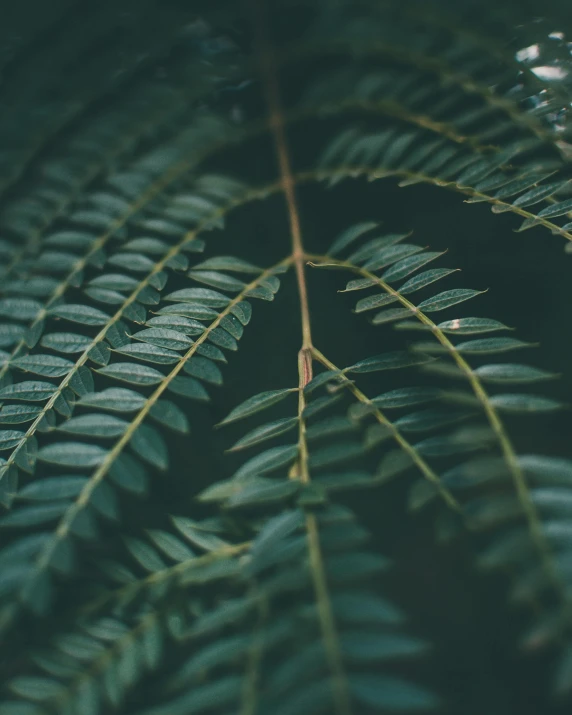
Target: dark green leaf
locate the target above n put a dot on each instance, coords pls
(83, 314)
(491, 345)
(388, 361)
(468, 326)
(525, 403)
(73, 454)
(447, 299)
(133, 373)
(257, 403)
(409, 265)
(95, 425)
(512, 372)
(117, 399)
(269, 461)
(264, 432)
(29, 391)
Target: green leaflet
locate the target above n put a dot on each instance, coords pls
(257, 403)
(545, 469)
(558, 209)
(518, 185)
(19, 308)
(15, 414)
(195, 310)
(179, 323)
(188, 387)
(375, 247)
(512, 372)
(197, 534)
(227, 263)
(322, 379)
(218, 280)
(149, 353)
(359, 284)
(170, 545)
(168, 414)
(202, 296)
(73, 454)
(65, 342)
(114, 281)
(34, 515)
(10, 334)
(38, 688)
(424, 279)
(148, 444)
(204, 369)
(9, 438)
(430, 419)
(268, 461)
(491, 345)
(468, 326)
(388, 316)
(524, 403)
(335, 454)
(116, 399)
(242, 311)
(330, 426)
(31, 391)
(45, 365)
(223, 339)
(211, 352)
(447, 299)
(95, 425)
(83, 314)
(144, 554)
(536, 195)
(388, 361)
(408, 265)
(233, 326)
(406, 397)
(391, 255)
(132, 262)
(164, 338)
(265, 432)
(133, 373)
(53, 488)
(262, 491)
(374, 301)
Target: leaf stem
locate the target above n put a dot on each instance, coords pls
(267, 64)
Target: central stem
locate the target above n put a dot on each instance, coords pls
(276, 122)
(340, 690)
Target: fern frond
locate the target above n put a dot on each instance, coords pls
(151, 346)
(384, 254)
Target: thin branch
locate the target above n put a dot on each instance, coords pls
(416, 458)
(267, 64)
(340, 689)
